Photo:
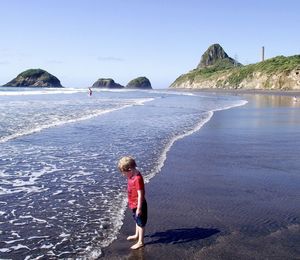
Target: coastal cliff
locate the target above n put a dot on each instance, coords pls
(35, 78)
(217, 70)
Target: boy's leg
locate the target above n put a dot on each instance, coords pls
(136, 235)
(141, 221)
(140, 242)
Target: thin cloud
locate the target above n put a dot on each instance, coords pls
(4, 62)
(110, 58)
(54, 61)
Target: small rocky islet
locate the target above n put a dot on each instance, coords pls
(39, 78)
(137, 83)
(35, 78)
(106, 83)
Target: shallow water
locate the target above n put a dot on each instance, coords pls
(60, 192)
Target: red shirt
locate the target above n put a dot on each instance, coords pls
(134, 184)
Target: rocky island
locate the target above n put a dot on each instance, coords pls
(106, 83)
(139, 83)
(217, 70)
(35, 78)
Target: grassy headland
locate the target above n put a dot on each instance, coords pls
(276, 73)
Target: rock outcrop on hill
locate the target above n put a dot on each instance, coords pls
(35, 78)
(139, 83)
(106, 83)
(217, 70)
(216, 55)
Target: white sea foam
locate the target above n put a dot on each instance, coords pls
(25, 181)
(57, 192)
(20, 224)
(117, 220)
(93, 253)
(64, 253)
(19, 246)
(47, 246)
(37, 237)
(97, 113)
(46, 91)
(34, 219)
(26, 189)
(15, 234)
(13, 241)
(170, 92)
(64, 235)
(5, 250)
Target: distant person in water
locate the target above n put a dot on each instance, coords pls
(136, 198)
(90, 92)
(295, 99)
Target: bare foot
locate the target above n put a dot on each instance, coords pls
(137, 245)
(134, 237)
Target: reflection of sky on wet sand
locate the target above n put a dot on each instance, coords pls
(275, 101)
(275, 112)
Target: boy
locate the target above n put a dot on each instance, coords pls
(136, 198)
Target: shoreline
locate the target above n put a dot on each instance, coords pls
(212, 213)
(241, 91)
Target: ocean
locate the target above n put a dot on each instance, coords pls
(61, 195)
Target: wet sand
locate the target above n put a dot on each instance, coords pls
(228, 191)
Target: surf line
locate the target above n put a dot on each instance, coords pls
(39, 129)
(209, 115)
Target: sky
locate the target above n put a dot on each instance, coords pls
(80, 41)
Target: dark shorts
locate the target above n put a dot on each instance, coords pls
(141, 220)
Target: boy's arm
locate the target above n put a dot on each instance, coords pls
(140, 201)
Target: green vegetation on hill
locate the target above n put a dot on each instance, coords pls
(32, 73)
(268, 67)
(234, 75)
(279, 63)
(204, 73)
(38, 73)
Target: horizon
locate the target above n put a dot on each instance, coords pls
(81, 42)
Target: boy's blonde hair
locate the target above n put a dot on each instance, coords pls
(126, 163)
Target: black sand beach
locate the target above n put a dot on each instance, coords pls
(228, 191)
